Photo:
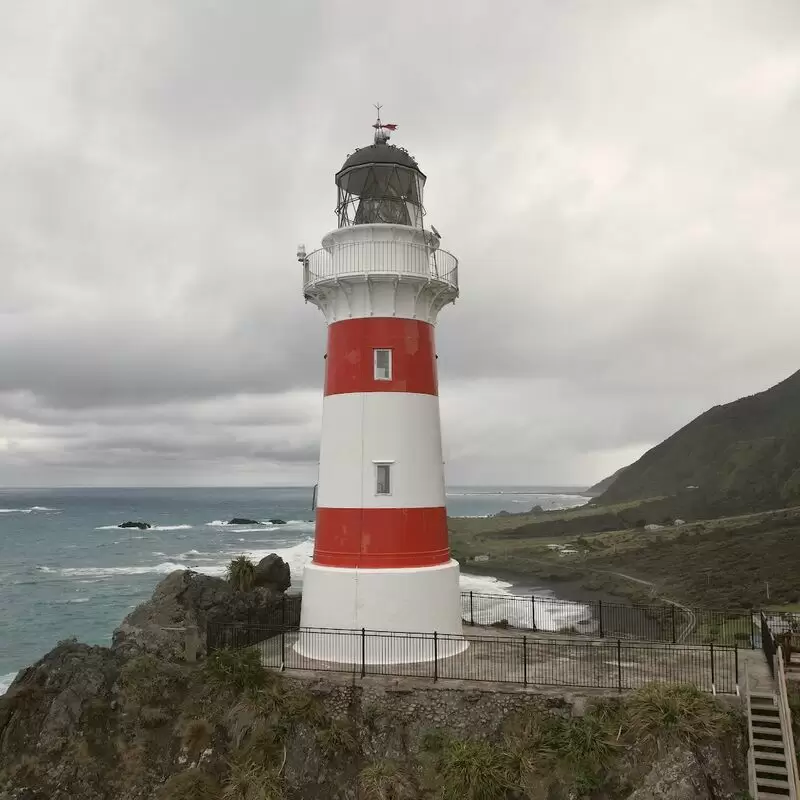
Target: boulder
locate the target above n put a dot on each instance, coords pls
(174, 623)
(243, 521)
(272, 572)
(537, 509)
(142, 526)
(278, 521)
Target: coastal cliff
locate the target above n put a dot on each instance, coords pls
(137, 720)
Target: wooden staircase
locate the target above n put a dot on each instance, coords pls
(772, 764)
(769, 769)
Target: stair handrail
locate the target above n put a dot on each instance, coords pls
(785, 715)
(751, 752)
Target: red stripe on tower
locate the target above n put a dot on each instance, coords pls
(351, 360)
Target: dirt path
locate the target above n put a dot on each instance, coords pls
(691, 620)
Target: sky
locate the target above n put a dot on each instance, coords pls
(619, 180)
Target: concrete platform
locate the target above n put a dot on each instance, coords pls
(518, 657)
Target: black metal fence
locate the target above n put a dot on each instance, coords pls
(663, 623)
(651, 623)
(521, 659)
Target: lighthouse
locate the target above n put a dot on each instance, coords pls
(381, 558)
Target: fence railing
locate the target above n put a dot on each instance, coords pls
(519, 659)
(380, 257)
(667, 624)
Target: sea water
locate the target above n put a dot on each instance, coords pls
(67, 569)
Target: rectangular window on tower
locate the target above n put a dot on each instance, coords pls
(383, 473)
(383, 365)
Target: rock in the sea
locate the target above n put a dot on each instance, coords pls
(278, 521)
(173, 624)
(273, 572)
(142, 526)
(243, 521)
(537, 509)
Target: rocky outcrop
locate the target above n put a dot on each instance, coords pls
(173, 624)
(142, 526)
(277, 521)
(243, 521)
(273, 572)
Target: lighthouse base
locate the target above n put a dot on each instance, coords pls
(398, 609)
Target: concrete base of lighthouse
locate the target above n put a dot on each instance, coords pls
(338, 603)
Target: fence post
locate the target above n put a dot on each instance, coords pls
(363, 652)
(619, 666)
(471, 610)
(674, 634)
(736, 662)
(600, 616)
(533, 612)
(713, 676)
(283, 649)
(283, 610)
(752, 630)
(524, 660)
(435, 656)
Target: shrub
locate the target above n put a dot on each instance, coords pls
(337, 739)
(196, 736)
(474, 770)
(250, 781)
(193, 784)
(146, 680)
(236, 670)
(386, 780)
(242, 574)
(680, 712)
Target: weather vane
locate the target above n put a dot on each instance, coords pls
(382, 130)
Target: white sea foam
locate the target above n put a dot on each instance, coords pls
(103, 572)
(6, 681)
(79, 600)
(151, 528)
(30, 510)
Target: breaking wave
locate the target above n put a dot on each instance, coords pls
(151, 528)
(30, 510)
(6, 681)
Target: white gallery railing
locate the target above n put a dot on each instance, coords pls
(380, 258)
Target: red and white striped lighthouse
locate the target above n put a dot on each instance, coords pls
(381, 555)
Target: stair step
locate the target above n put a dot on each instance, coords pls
(771, 796)
(766, 733)
(767, 743)
(773, 769)
(780, 783)
(770, 722)
(773, 758)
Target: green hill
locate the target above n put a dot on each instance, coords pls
(745, 453)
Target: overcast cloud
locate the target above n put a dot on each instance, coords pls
(620, 181)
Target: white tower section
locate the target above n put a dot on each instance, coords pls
(381, 555)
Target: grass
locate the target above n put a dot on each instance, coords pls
(659, 713)
(193, 784)
(196, 737)
(473, 769)
(242, 574)
(148, 681)
(236, 670)
(252, 781)
(386, 779)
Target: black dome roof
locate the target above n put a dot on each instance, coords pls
(380, 154)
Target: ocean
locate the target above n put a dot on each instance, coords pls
(67, 569)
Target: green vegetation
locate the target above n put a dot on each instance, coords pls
(242, 574)
(734, 563)
(744, 453)
(386, 780)
(236, 670)
(193, 784)
(539, 753)
(253, 781)
(675, 713)
(148, 681)
(196, 737)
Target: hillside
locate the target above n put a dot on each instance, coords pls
(745, 453)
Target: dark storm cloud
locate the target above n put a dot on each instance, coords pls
(619, 182)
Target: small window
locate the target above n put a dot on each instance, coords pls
(384, 480)
(383, 365)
